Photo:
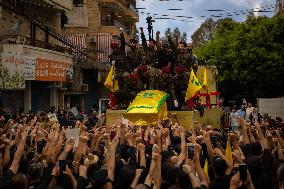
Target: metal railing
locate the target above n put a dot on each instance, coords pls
(19, 39)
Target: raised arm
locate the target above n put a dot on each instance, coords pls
(143, 38)
(111, 161)
(141, 148)
(138, 173)
(189, 171)
(200, 172)
(158, 43)
(158, 176)
(182, 155)
(207, 140)
(151, 173)
(260, 133)
(122, 43)
(171, 42)
(6, 159)
(20, 150)
(228, 163)
(245, 133)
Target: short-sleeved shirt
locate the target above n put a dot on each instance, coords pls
(234, 117)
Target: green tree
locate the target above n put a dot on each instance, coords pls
(206, 31)
(173, 34)
(176, 32)
(168, 32)
(249, 56)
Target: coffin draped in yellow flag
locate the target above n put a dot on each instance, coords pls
(193, 86)
(147, 108)
(109, 83)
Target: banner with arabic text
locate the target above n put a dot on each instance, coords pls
(50, 70)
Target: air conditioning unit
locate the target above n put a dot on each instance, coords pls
(84, 87)
(93, 40)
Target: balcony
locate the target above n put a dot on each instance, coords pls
(53, 4)
(125, 9)
(112, 27)
(19, 39)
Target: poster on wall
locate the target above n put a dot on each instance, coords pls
(15, 69)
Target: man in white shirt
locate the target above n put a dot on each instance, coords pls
(234, 119)
(249, 111)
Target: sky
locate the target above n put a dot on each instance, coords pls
(198, 9)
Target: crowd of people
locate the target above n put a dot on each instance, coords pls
(157, 66)
(36, 152)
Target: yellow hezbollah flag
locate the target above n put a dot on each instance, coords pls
(193, 86)
(228, 152)
(109, 83)
(205, 79)
(205, 169)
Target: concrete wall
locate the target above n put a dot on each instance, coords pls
(37, 52)
(34, 97)
(273, 106)
(50, 17)
(67, 4)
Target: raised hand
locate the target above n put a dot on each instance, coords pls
(69, 144)
(187, 169)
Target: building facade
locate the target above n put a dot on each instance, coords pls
(94, 24)
(55, 53)
(33, 63)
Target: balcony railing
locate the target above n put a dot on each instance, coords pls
(19, 39)
(114, 23)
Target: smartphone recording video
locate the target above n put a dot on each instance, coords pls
(243, 172)
(62, 165)
(214, 141)
(190, 151)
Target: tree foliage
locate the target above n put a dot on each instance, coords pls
(206, 31)
(173, 34)
(249, 56)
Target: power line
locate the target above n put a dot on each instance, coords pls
(262, 9)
